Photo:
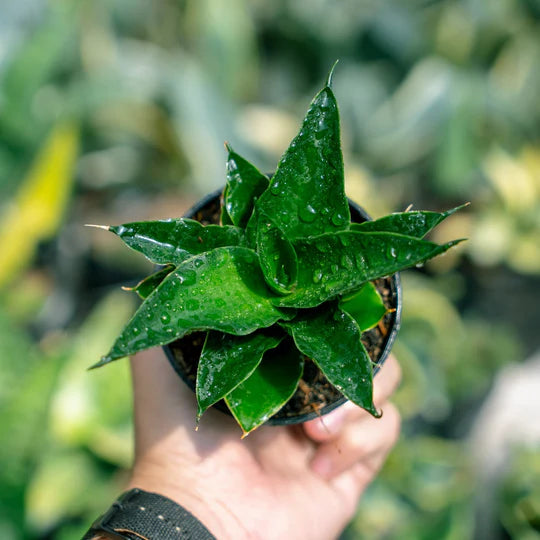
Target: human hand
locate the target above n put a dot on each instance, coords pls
(294, 482)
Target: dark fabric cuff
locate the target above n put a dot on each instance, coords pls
(141, 515)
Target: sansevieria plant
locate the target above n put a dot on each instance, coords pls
(286, 276)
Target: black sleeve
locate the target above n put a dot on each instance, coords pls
(140, 514)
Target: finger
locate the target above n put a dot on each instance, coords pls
(329, 426)
(386, 381)
(353, 482)
(359, 441)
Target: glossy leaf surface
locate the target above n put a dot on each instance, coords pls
(245, 184)
(331, 338)
(276, 254)
(146, 286)
(220, 290)
(365, 306)
(415, 223)
(228, 360)
(306, 195)
(333, 264)
(175, 240)
(268, 388)
(224, 219)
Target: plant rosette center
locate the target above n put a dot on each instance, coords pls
(376, 309)
(282, 284)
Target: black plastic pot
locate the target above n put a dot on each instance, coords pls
(358, 215)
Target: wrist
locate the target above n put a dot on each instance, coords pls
(138, 514)
(189, 493)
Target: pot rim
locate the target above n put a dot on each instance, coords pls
(390, 338)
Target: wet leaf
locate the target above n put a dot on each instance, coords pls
(145, 287)
(220, 290)
(331, 338)
(268, 388)
(175, 240)
(224, 219)
(346, 260)
(228, 360)
(306, 195)
(276, 254)
(245, 184)
(365, 306)
(415, 223)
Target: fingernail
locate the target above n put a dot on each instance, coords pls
(322, 466)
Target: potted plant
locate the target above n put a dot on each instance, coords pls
(267, 296)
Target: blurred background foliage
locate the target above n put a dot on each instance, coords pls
(117, 110)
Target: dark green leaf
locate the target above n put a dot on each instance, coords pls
(225, 219)
(306, 196)
(228, 360)
(334, 264)
(276, 254)
(268, 388)
(220, 290)
(415, 223)
(145, 287)
(175, 240)
(332, 339)
(245, 183)
(365, 306)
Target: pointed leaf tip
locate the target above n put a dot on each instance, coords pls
(456, 242)
(456, 209)
(331, 74)
(104, 360)
(104, 227)
(228, 147)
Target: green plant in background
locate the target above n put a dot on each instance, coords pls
(286, 274)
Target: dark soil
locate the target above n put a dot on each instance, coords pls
(314, 392)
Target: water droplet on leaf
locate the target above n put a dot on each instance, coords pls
(307, 214)
(188, 277)
(339, 219)
(317, 276)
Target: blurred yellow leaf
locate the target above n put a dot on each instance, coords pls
(37, 210)
(513, 182)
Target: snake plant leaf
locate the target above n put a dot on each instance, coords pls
(306, 196)
(224, 219)
(276, 254)
(268, 388)
(365, 306)
(245, 184)
(146, 286)
(175, 240)
(222, 289)
(227, 360)
(415, 223)
(348, 259)
(331, 338)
